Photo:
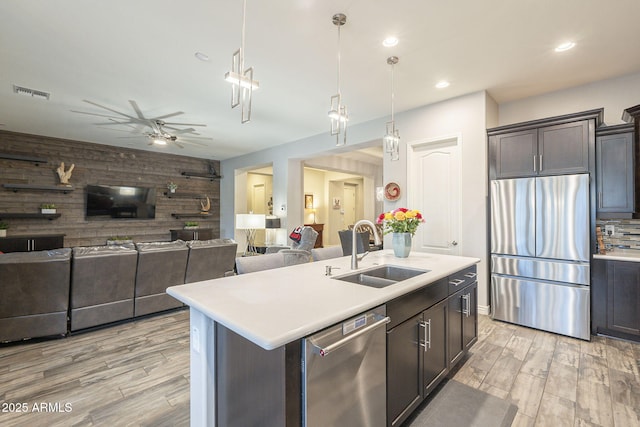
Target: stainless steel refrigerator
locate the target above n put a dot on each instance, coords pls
(540, 250)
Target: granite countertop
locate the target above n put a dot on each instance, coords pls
(274, 307)
(632, 255)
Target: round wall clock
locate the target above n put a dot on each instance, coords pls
(392, 191)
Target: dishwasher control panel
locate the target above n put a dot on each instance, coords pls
(353, 324)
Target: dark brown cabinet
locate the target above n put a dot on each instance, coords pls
(615, 171)
(463, 322)
(558, 145)
(31, 243)
(430, 330)
(616, 299)
(186, 235)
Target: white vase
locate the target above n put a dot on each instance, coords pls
(47, 211)
(401, 243)
(3, 233)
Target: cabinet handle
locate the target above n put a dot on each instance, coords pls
(456, 282)
(427, 335)
(534, 163)
(540, 162)
(466, 309)
(470, 275)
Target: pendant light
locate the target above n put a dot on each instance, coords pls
(242, 83)
(338, 111)
(392, 137)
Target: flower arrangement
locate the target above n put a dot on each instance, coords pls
(401, 220)
(172, 186)
(3, 225)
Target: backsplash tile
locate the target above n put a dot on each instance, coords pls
(626, 235)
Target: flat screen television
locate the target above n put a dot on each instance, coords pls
(121, 202)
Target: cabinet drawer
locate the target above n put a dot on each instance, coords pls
(407, 306)
(462, 279)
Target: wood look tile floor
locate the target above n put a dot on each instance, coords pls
(138, 374)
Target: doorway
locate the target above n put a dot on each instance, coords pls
(435, 167)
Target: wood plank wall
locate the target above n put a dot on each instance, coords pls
(104, 165)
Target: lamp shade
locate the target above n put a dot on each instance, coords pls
(272, 223)
(250, 221)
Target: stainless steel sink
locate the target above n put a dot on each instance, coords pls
(383, 276)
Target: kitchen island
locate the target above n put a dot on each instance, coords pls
(271, 311)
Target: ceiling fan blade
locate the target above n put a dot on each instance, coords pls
(184, 124)
(110, 109)
(134, 104)
(185, 141)
(177, 113)
(95, 114)
(179, 145)
(181, 131)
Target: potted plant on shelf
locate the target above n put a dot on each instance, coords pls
(172, 186)
(190, 225)
(3, 229)
(47, 208)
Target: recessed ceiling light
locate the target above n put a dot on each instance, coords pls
(564, 46)
(202, 56)
(390, 41)
(442, 84)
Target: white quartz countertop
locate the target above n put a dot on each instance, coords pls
(274, 307)
(632, 255)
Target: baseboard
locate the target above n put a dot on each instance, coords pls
(484, 309)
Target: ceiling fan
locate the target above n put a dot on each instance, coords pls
(158, 133)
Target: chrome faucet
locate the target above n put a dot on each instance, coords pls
(354, 243)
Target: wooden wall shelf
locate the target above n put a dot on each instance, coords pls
(191, 215)
(185, 195)
(29, 216)
(204, 175)
(16, 187)
(36, 160)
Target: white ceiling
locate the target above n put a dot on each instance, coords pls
(110, 52)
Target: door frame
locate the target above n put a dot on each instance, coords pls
(430, 143)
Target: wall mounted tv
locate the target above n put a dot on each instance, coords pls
(121, 202)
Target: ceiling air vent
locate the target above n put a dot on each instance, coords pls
(20, 90)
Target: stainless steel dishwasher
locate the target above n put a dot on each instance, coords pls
(344, 373)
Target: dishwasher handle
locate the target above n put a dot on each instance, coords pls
(325, 351)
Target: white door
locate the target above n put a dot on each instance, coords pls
(434, 174)
(349, 205)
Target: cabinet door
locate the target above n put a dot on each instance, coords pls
(512, 154)
(433, 346)
(623, 297)
(403, 370)
(614, 173)
(46, 243)
(564, 148)
(454, 316)
(14, 244)
(470, 316)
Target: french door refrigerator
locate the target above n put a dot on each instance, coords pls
(540, 253)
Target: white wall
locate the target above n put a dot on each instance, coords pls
(614, 95)
(464, 116)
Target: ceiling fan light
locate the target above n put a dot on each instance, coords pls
(159, 141)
